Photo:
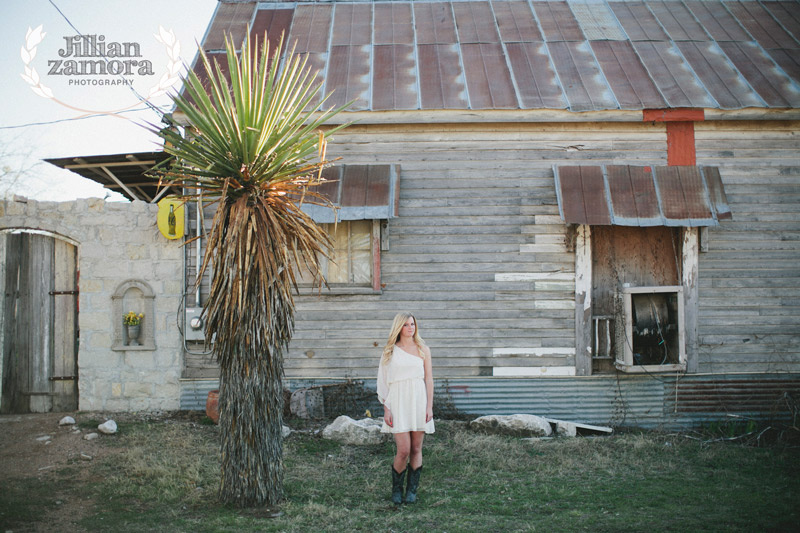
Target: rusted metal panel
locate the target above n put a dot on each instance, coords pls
(516, 22)
(378, 186)
(682, 196)
(332, 186)
(557, 21)
(633, 196)
(775, 88)
(394, 77)
(229, 20)
(726, 85)
(638, 21)
(582, 195)
(352, 25)
(717, 21)
(678, 21)
(488, 79)
(475, 22)
(597, 21)
(311, 28)
(623, 195)
(761, 25)
(359, 192)
(789, 61)
(355, 179)
(581, 77)
(214, 58)
(316, 63)
(742, 395)
(626, 75)
(441, 80)
(716, 193)
(275, 23)
(536, 80)
(393, 24)
(788, 14)
(348, 76)
(434, 23)
(672, 75)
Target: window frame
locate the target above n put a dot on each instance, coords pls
(373, 287)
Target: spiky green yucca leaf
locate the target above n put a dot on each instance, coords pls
(255, 146)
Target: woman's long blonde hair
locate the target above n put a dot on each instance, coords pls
(397, 326)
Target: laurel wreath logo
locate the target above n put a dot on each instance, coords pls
(28, 52)
(34, 37)
(172, 75)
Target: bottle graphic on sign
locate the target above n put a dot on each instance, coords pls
(171, 222)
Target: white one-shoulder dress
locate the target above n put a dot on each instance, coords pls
(401, 388)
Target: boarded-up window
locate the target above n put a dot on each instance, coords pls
(351, 258)
(627, 256)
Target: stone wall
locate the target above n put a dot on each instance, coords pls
(125, 264)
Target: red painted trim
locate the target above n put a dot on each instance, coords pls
(680, 144)
(680, 114)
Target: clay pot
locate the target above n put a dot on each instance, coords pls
(212, 405)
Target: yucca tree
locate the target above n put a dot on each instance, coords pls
(254, 144)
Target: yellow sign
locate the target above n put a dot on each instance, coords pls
(170, 217)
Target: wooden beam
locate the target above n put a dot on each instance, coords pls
(583, 301)
(673, 115)
(118, 182)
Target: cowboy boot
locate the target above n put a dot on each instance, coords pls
(413, 484)
(397, 485)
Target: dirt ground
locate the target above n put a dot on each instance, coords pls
(25, 454)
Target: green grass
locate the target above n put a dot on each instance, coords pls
(165, 477)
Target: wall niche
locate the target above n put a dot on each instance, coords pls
(134, 296)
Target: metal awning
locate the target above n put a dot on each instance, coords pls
(122, 173)
(359, 192)
(626, 195)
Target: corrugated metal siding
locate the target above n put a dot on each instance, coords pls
(661, 401)
(578, 55)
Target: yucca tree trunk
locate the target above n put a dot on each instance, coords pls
(251, 418)
(254, 322)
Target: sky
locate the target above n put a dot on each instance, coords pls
(48, 109)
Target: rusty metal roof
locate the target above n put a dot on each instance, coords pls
(624, 195)
(578, 55)
(359, 192)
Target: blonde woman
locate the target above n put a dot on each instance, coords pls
(405, 388)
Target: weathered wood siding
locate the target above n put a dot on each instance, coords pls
(749, 279)
(478, 252)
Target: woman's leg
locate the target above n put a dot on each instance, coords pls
(403, 442)
(416, 448)
(415, 467)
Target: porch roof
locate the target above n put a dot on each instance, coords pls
(358, 192)
(626, 195)
(122, 173)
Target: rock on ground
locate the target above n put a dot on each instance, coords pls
(356, 432)
(109, 427)
(516, 425)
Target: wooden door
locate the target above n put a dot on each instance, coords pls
(39, 324)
